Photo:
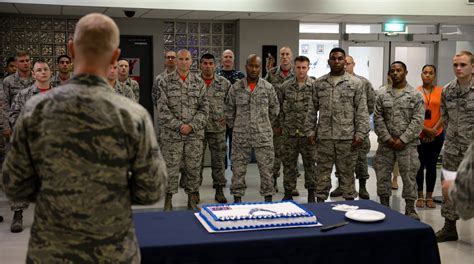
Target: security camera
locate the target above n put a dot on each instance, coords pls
(129, 13)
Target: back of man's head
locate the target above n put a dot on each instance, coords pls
(96, 38)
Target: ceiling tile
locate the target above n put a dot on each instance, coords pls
(39, 9)
(8, 8)
(82, 10)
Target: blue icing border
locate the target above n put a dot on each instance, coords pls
(215, 218)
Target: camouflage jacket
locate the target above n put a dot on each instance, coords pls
(457, 111)
(369, 93)
(462, 191)
(182, 102)
(20, 101)
(294, 102)
(276, 78)
(251, 114)
(399, 115)
(56, 80)
(342, 109)
(232, 76)
(124, 90)
(133, 86)
(12, 84)
(216, 94)
(84, 154)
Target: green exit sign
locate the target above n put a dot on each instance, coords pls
(394, 27)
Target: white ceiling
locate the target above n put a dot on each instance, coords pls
(42, 9)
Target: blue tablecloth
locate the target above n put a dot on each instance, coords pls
(178, 237)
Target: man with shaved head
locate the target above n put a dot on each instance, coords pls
(251, 109)
(84, 154)
(183, 109)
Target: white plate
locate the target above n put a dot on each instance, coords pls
(364, 215)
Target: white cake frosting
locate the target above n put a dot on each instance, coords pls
(256, 215)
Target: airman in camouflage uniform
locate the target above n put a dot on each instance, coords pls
(251, 109)
(340, 128)
(232, 75)
(183, 110)
(85, 154)
(361, 168)
(462, 191)
(64, 73)
(12, 85)
(125, 80)
(170, 67)
(398, 119)
(117, 86)
(217, 89)
(457, 112)
(295, 94)
(276, 76)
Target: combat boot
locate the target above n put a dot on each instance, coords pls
(448, 232)
(237, 199)
(288, 195)
(193, 201)
(311, 198)
(268, 198)
(363, 194)
(410, 209)
(1, 218)
(320, 200)
(295, 193)
(17, 222)
(337, 192)
(168, 204)
(385, 200)
(219, 197)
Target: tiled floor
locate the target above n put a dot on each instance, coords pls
(13, 246)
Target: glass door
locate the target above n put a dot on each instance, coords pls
(415, 55)
(371, 61)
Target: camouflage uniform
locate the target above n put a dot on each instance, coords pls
(182, 102)
(251, 114)
(3, 121)
(463, 188)
(19, 103)
(342, 115)
(56, 80)
(215, 131)
(84, 155)
(12, 85)
(276, 77)
(133, 86)
(398, 115)
(457, 112)
(124, 90)
(154, 98)
(294, 100)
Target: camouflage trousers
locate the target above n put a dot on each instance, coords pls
(190, 153)
(450, 162)
(361, 167)
(340, 153)
(217, 147)
(408, 164)
(292, 147)
(3, 149)
(241, 157)
(277, 145)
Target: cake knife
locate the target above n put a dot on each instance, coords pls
(329, 227)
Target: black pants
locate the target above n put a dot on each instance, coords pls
(428, 155)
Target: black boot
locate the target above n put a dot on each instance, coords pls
(268, 198)
(17, 222)
(363, 194)
(219, 197)
(193, 201)
(168, 204)
(275, 183)
(288, 195)
(385, 200)
(237, 199)
(320, 200)
(337, 192)
(448, 232)
(311, 198)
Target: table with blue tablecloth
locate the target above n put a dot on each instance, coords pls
(178, 237)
